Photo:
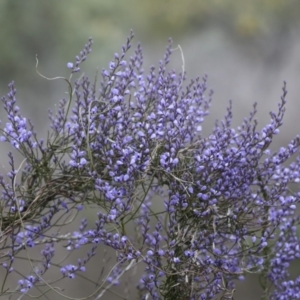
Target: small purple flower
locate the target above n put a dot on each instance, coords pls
(70, 65)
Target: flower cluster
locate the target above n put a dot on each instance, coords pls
(195, 213)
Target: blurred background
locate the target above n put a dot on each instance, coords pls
(247, 48)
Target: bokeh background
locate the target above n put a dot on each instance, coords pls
(247, 48)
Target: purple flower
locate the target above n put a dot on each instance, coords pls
(70, 65)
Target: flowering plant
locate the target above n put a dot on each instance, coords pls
(207, 210)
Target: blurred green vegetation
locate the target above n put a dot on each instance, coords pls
(57, 30)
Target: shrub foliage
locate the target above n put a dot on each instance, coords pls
(207, 210)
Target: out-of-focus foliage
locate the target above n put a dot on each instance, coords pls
(246, 18)
(27, 28)
(49, 27)
(158, 18)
